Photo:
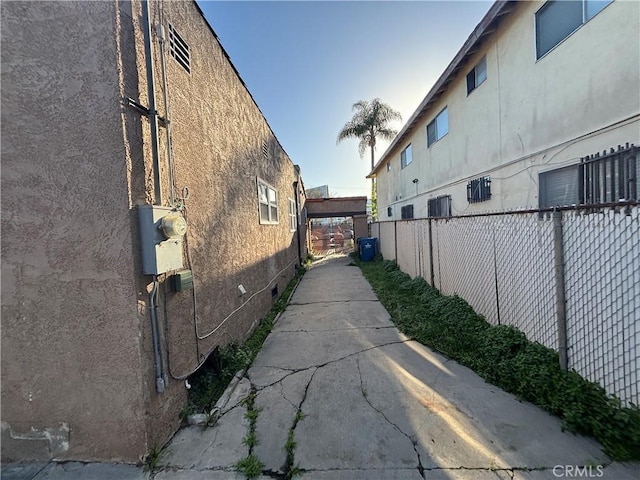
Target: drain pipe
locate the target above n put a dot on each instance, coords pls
(155, 334)
(297, 197)
(153, 114)
(153, 119)
(167, 115)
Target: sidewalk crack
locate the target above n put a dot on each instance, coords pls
(298, 370)
(413, 441)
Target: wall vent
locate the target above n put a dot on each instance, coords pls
(265, 150)
(179, 49)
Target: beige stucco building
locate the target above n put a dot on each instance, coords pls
(96, 341)
(536, 87)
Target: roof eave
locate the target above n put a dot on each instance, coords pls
(487, 26)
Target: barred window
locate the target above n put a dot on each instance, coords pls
(600, 178)
(406, 212)
(479, 190)
(439, 206)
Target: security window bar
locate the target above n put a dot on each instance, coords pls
(439, 206)
(267, 203)
(438, 127)
(406, 157)
(479, 190)
(179, 49)
(558, 19)
(476, 76)
(601, 178)
(293, 224)
(406, 212)
(610, 177)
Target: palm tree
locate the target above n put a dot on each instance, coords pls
(370, 122)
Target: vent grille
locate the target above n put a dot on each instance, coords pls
(179, 49)
(265, 150)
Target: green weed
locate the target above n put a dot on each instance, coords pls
(210, 381)
(250, 467)
(503, 356)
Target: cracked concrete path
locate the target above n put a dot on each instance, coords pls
(343, 395)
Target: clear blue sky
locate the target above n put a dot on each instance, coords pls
(306, 63)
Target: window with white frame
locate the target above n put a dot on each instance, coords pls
(267, 203)
(476, 76)
(293, 224)
(438, 127)
(556, 20)
(406, 157)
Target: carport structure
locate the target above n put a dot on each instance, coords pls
(354, 207)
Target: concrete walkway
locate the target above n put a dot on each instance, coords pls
(342, 395)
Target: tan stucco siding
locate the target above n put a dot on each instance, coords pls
(70, 344)
(529, 115)
(217, 135)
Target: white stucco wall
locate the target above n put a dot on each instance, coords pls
(529, 116)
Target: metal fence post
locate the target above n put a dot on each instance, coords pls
(558, 264)
(395, 239)
(432, 273)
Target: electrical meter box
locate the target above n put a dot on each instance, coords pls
(161, 235)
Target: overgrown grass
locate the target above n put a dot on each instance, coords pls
(210, 381)
(152, 459)
(503, 356)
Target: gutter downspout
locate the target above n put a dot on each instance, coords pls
(295, 192)
(155, 334)
(167, 114)
(153, 114)
(153, 119)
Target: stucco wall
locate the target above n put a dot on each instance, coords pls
(528, 116)
(70, 330)
(217, 136)
(77, 352)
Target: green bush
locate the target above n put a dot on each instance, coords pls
(503, 356)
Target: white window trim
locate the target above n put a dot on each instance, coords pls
(293, 220)
(585, 20)
(475, 74)
(269, 203)
(435, 122)
(404, 164)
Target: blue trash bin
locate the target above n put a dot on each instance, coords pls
(367, 248)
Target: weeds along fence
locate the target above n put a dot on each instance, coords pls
(569, 279)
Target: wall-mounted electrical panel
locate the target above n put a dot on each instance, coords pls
(182, 280)
(161, 234)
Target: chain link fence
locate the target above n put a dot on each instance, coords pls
(506, 266)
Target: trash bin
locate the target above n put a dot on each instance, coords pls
(367, 247)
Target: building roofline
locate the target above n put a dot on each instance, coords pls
(226, 55)
(336, 199)
(486, 27)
